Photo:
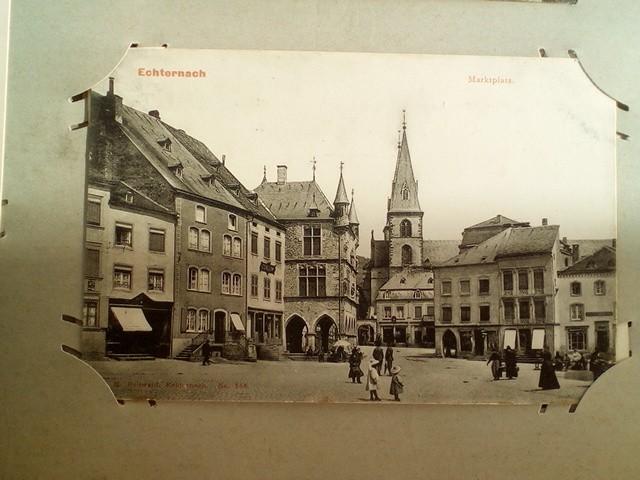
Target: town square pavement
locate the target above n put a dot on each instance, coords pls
(427, 379)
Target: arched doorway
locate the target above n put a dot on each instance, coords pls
(326, 332)
(449, 344)
(219, 326)
(293, 334)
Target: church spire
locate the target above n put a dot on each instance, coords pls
(353, 216)
(341, 194)
(404, 189)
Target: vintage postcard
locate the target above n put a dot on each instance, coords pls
(349, 227)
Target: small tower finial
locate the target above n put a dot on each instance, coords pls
(404, 119)
(341, 165)
(314, 168)
(264, 174)
(399, 139)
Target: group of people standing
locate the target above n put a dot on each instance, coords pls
(547, 380)
(374, 371)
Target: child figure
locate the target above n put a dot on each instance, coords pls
(396, 387)
(372, 380)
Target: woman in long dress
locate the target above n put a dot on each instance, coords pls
(355, 372)
(510, 362)
(548, 379)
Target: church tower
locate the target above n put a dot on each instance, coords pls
(404, 215)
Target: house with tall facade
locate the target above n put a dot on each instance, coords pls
(215, 216)
(501, 292)
(320, 261)
(587, 307)
(128, 284)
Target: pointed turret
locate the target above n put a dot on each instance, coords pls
(353, 216)
(341, 194)
(404, 189)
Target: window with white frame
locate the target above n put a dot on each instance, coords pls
(507, 282)
(254, 285)
(226, 282)
(190, 325)
(446, 287)
(465, 313)
(236, 284)
(465, 287)
(418, 312)
(577, 312)
(523, 281)
(538, 281)
(577, 339)
(233, 222)
(199, 279)
(90, 313)
(226, 245)
(237, 247)
(599, 287)
(124, 235)
(400, 311)
(278, 290)
(201, 214)
(205, 241)
(122, 277)
(156, 280)
(194, 235)
(203, 281)
(387, 312)
(204, 323)
(576, 289)
(156, 240)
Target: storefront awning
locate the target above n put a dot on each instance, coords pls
(237, 322)
(537, 341)
(131, 319)
(509, 338)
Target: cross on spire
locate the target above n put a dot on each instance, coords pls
(341, 165)
(314, 168)
(404, 119)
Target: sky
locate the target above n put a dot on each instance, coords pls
(527, 138)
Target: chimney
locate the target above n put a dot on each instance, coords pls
(155, 113)
(544, 222)
(575, 252)
(282, 174)
(223, 159)
(111, 80)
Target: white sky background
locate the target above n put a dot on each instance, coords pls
(542, 146)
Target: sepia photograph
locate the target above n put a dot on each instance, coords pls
(346, 227)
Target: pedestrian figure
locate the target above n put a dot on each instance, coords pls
(511, 363)
(206, 353)
(397, 387)
(372, 380)
(378, 354)
(388, 359)
(320, 354)
(597, 364)
(548, 379)
(355, 372)
(494, 360)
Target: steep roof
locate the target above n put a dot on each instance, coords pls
(292, 200)
(478, 233)
(341, 193)
(529, 241)
(494, 221)
(118, 195)
(434, 252)
(589, 247)
(404, 181)
(410, 280)
(601, 261)
(353, 215)
(514, 241)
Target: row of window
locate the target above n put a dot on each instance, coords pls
(520, 281)
(266, 288)
(599, 288)
(266, 247)
(464, 287)
(484, 314)
(124, 237)
(201, 217)
(388, 311)
(122, 277)
(521, 310)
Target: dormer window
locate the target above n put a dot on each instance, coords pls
(233, 223)
(128, 197)
(209, 180)
(165, 143)
(417, 294)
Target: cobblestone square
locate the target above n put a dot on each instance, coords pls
(427, 380)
